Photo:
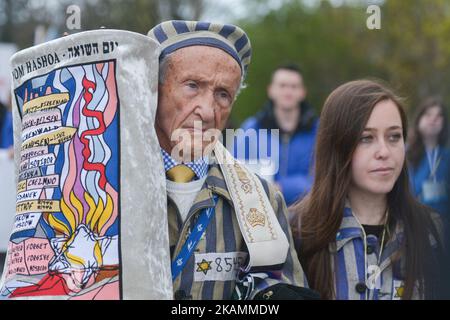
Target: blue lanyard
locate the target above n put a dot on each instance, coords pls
(433, 161)
(193, 239)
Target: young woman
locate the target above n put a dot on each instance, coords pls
(360, 234)
(429, 159)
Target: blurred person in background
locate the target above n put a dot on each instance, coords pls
(288, 111)
(6, 127)
(429, 158)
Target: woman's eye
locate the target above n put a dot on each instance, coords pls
(395, 137)
(366, 139)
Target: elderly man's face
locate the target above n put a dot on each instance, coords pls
(199, 89)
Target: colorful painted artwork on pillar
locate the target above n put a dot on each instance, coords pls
(66, 232)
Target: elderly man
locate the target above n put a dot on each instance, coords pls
(224, 241)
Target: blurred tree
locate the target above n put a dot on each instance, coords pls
(333, 45)
(19, 18)
(414, 47)
(328, 39)
(325, 41)
(134, 15)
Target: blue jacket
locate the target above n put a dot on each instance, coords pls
(295, 156)
(421, 173)
(6, 131)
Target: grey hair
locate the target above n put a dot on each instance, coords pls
(163, 64)
(162, 73)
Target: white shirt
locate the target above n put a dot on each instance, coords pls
(183, 194)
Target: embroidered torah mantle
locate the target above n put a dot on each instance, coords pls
(91, 217)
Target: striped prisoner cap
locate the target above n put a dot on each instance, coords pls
(176, 34)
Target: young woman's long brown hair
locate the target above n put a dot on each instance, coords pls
(416, 149)
(319, 215)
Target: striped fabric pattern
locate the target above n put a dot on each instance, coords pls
(350, 263)
(221, 237)
(176, 34)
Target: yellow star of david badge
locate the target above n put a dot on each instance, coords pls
(399, 291)
(204, 266)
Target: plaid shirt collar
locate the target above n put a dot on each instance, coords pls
(199, 166)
